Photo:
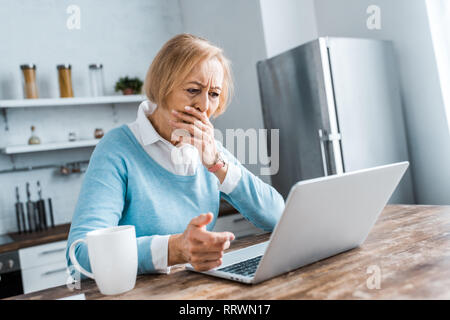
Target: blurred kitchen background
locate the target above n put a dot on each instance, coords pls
(124, 36)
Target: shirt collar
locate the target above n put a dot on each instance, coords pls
(148, 133)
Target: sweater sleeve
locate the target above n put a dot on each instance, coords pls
(256, 200)
(100, 205)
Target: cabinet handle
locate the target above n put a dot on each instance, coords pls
(322, 139)
(52, 251)
(54, 271)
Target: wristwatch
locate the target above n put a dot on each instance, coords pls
(218, 164)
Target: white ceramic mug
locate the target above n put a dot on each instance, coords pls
(113, 258)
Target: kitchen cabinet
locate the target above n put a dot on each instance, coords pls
(43, 266)
(44, 277)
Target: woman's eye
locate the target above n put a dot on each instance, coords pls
(214, 94)
(193, 91)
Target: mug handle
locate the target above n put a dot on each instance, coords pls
(74, 260)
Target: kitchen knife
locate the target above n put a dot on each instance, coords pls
(22, 216)
(30, 210)
(41, 209)
(37, 218)
(50, 208)
(19, 214)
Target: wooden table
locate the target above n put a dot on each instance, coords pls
(409, 248)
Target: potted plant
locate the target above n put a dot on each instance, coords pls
(129, 85)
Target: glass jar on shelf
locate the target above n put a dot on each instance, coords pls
(65, 80)
(96, 79)
(30, 90)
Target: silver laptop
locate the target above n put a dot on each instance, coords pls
(322, 217)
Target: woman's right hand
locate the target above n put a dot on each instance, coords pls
(201, 248)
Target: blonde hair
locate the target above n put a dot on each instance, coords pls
(176, 59)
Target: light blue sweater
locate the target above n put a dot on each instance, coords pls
(123, 185)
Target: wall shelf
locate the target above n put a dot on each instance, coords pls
(49, 166)
(63, 102)
(11, 150)
(52, 102)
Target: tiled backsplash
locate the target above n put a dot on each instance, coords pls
(63, 190)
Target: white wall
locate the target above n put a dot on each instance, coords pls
(235, 26)
(405, 22)
(287, 24)
(123, 36)
(438, 15)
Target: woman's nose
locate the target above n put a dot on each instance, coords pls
(203, 103)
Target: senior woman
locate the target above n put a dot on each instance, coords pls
(134, 178)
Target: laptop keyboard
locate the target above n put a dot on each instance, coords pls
(244, 268)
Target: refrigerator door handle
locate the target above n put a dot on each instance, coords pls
(322, 139)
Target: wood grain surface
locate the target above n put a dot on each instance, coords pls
(24, 240)
(409, 246)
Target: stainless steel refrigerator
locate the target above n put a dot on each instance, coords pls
(337, 104)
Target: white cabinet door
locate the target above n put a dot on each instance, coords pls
(42, 255)
(43, 277)
(43, 266)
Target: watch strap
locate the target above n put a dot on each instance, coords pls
(220, 163)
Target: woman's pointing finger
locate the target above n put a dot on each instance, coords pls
(202, 220)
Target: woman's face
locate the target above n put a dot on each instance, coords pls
(201, 89)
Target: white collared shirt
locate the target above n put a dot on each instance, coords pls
(161, 151)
